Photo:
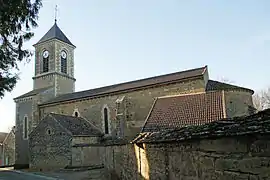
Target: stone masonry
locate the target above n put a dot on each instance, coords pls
(235, 148)
(64, 141)
(54, 147)
(138, 104)
(46, 85)
(9, 148)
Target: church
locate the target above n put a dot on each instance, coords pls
(58, 127)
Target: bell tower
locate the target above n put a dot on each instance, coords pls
(54, 62)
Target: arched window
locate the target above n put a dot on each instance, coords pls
(25, 127)
(106, 121)
(63, 62)
(45, 61)
(76, 114)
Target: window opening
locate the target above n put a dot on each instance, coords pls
(106, 123)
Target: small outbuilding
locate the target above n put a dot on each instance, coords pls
(61, 141)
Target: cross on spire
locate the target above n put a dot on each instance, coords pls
(55, 18)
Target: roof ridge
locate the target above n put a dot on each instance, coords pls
(154, 80)
(53, 113)
(149, 114)
(127, 82)
(189, 94)
(60, 123)
(93, 125)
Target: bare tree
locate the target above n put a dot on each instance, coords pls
(225, 80)
(261, 99)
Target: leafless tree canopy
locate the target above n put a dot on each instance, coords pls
(261, 99)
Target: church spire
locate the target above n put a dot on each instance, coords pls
(55, 33)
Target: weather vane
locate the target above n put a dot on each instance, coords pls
(55, 18)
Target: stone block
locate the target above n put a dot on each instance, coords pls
(223, 145)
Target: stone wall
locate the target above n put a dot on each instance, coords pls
(237, 148)
(9, 149)
(39, 49)
(50, 150)
(23, 108)
(64, 84)
(44, 80)
(1, 155)
(136, 106)
(237, 103)
(87, 155)
(87, 151)
(243, 157)
(84, 140)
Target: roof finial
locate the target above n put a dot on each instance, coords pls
(55, 18)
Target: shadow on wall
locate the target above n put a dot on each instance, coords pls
(242, 157)
(126, 161)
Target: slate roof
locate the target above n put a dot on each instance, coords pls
(258, 123)
(2, 137)
(216, 85)
(77, 125)
(142, 83)
(55, 33)
(184, 110)
(32, 93)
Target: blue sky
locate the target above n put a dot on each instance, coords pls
(123, 40)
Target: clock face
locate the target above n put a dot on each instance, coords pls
(45, 54)
(63, 54)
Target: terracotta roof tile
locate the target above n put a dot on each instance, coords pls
(178, 111)
(258, 123)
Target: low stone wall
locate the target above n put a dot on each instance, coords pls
(87, 151)
(242, 157)
(87, 155)
(245, 157)
(120, 162)
(232, 149)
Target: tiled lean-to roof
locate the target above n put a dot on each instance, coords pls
(55, 33)
(184, 110)
(76, 125)
(142, 83)
(258, 123)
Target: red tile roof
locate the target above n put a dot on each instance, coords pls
(237, 126)
(183, 110)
